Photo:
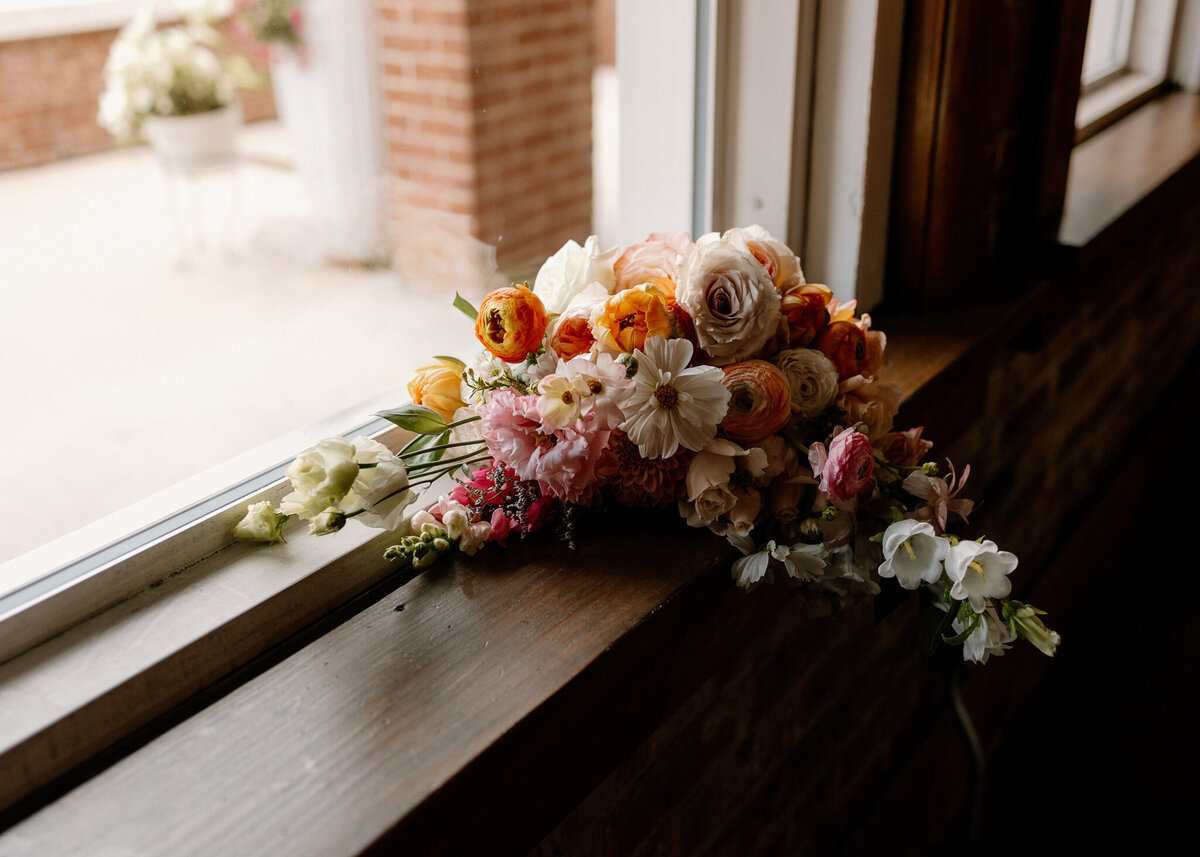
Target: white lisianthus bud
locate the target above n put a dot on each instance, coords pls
(329, 521)
(262, 523)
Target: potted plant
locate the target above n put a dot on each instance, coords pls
(169, 86)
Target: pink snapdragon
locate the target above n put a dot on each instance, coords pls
(846, 467)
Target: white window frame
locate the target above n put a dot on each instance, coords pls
(1161, 45)
(777, 112)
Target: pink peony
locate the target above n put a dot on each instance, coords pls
(847, 466)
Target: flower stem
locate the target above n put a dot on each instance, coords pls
(436, 448)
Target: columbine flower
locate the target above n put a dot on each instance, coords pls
(561, 400)
(1023, 621)
(262, 523)
(913, 553)
(672, 405)
(979, 571)
(846, 467)
(605, 387)
(940, 495)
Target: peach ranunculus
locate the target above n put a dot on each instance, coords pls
(511, 323)
(845, 344)
(876, 342)
(783, 266)
(812, 377)
(657, 256)
(730, 298)
(438, 386)
(760, 401)
(903, 448)
(627, 319)
(804, 307)
(869, 402)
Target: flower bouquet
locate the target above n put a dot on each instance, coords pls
(167, 73)
(705, 377)
(266, 25)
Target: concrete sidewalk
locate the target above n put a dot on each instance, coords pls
(123, 371)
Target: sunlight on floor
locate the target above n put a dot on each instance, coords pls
(125, 370)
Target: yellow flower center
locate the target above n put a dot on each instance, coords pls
(666, 396)
(595, 386)
(978, 568)
(568, 397)
(911, 553)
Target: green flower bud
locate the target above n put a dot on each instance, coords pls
(1023, 621)
(329, 521)
(929, 468)
(829, 513)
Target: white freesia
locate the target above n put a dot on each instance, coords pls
(979, 571)
(913, 552)
(673, 405)
(730, 297)
(572, 270)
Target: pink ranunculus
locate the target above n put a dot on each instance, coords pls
(846, 467)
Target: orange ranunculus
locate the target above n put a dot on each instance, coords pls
(844, 343)
(760, 401)
(804, 307)
(571, 335)
(627, 319)
(438, 386)
(511, 323)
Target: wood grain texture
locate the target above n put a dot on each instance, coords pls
(394, 714)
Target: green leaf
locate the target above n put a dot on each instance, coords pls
(416, 418)
(451, 362)
(418, 462)
(932, 623)
(464, 306)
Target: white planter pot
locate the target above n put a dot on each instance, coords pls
(195, 142)
(331, 105)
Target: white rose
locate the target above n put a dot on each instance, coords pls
(320, 478)
(731, 299)
(571, 270)
(812, 378)
(708, 506)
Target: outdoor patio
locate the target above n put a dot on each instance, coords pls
(127, 367)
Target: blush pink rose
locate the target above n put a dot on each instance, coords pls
(846, 467)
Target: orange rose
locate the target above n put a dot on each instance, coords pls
(760, 402)
(804, 308)
(846, 347)
(438, 386)
(511, 323)
(627, 319)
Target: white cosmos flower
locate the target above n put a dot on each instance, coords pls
(672, 405)
(979, 571)
(912, 553)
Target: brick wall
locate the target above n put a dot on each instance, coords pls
(49, 89)
(488, 116)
